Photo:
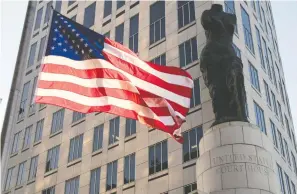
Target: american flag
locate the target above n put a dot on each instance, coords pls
(87, 72)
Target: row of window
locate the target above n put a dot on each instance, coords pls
(286, 185)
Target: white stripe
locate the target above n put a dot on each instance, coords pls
(100, 63)
(103, 101)
(169, 78)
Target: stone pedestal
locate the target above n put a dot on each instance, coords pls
(235, 159)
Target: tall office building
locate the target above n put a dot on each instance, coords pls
(48, 149)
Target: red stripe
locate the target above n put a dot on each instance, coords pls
(119, 46)
(141, 74)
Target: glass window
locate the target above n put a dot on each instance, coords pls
(41, 48)
(274, 103)
(75, 149)
(273, 131)
(280, 177)
(129, 168)
(287, 152)
(191, 143)
(89, 17)
(158, 157)
(157, 21)
(39, 129)
(52, 158)
(111, 176)
(38, 18)
(114, 126)
(230, 8)
(268, 99)
(186, 12)
(77, 116)
(57, 121)
(7, 184)
(98, 137)
(70, 3)
(107, 34)
(274, 76)
(72, 186)
(73, 18)
(33, 167)
(293, 188)
(260, 119)
(254, 77)
(119, 33)
(280, 112)
(107, 8)
(130, 127)
(24, 98)
(195, 99)
(294, 162)
(27, 137)
(32, 103)
(188, 52)
(58, 5)
(247, 30)
(237, 51)
(48, 12)
(32, 53)
(160, 60)
(50, 190)
(120, 4)
(288, 184)
(95, 181)
(288, 127)
(133, 36)
(189, 188)
(20, 176)
(280, 139)
(15, 143)
(269, 63)
(260, 48)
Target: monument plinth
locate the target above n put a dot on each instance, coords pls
(235, 159)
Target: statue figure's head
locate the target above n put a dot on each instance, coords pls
(216, 8)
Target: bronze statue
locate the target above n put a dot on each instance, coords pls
(221, 68)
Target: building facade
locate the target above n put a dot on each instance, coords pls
(48, 149)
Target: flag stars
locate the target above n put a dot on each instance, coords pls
(53, 48)
(60, 26)
(71, 47)
(60, 44)
(66, 41)
(77, 34)
(56, 22)
(65, 22)
(69, 25)
(86, 45)
(56, 30)
(76, 52)
(90, 50)
(61, 35)
(62, 18)
(54, 39)
(64, 49)
(81, 39)
(73, 30)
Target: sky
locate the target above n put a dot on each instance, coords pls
(12, 19)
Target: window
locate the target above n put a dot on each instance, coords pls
(274, 103)
(32, 54)
(294, 162)
(38, 19)
(57, 122)
(269, 62)
(48, 12)
(27, 137)
(111, 176)
(9, 174)
(260, 48)
(20, 176)
(157, 21)
(98, 137)
(130, 127)
(50, 190)
(52, 158)
(274, 76)
(114, 126)
(70, 2)
(15, 143)
(247, 30)
(293, 188)
(58, 6)
(120, 4)
(107, 34)
(230, 8)
(129, 169)
(89, 17)
(72, 186)
(258, 10)
(189, 188)
(266, 54)
(237, 51)
(41, 48)
(158, 157)
(288, 127)
(33, 168)
(191, 143)
(77, 116)
(107, 8)
(260, 119)
(280, 177)
(119, 33)
(32, 104)
(95, 181)
(39, 129)
(186, 12)
(160, 60)
(133, 36)
(188, 52)
(288, 184)
(75, 149)
(254, 77)
(268, 99)
(195, 99)
(264, 19)
(73, 18)
(287, 152)
(280, 139)
(273, 131)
